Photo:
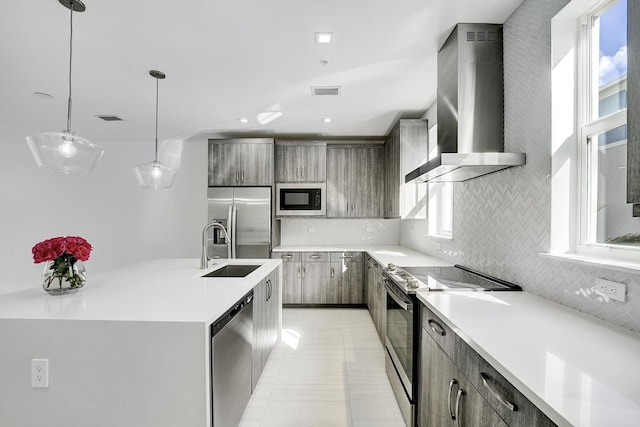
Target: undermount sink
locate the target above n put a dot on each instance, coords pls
(233, 270)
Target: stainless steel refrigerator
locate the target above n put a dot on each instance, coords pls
(246, 214)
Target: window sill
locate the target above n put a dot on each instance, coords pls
(440, 236)
(592, 261)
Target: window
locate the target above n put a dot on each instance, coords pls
(590, 219)
(606, 220)
(440, 217)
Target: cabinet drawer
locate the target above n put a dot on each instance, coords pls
(506, 400)
(346, 256)
(315, 256)
(287, 256)
(440, 332)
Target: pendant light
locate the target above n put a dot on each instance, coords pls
(64, 152)
(154, 174)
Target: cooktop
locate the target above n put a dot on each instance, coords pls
(456, 278)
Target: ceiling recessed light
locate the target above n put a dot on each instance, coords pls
(324, 38)
(244, 120)
(327, 119)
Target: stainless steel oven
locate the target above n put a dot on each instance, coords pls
(403, 320)
(301, 199)
(403, 325)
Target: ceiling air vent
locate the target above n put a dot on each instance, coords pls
(110, 118)
(325, 90)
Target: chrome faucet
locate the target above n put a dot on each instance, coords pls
(204, 261)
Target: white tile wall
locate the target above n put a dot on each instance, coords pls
(502, 221)
(295, 232)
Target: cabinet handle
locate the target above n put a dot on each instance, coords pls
(353, 207)
(347, 207)
(298, 271)
(237, 177)
(302, 169)
(304, 272)
(509, 405)
(298, 172)
(243, 176)
(437, 328)
(315, 256)
(346, 256)
(458, 400)
(333, 272)
(288, 256)
(451, 384)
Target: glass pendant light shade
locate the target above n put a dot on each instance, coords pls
(155, 175)
(64, 152)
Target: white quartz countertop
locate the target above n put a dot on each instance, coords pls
(398, 255)
(578, 370)
(168, 290)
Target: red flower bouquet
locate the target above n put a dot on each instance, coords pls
(62, 255)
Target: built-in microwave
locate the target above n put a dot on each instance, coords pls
(301, 199)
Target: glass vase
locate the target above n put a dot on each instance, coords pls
(63, 276)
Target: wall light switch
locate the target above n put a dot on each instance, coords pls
(40, 373)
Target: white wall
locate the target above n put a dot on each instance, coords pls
(295, 232)
(125, 223)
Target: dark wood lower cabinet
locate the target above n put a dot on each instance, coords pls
(333, 278)
(292, 282)
(460, 388)
(447, 397)
(266, 331)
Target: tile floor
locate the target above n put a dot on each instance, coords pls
(327, 371)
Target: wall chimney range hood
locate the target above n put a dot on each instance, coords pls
(470, 108)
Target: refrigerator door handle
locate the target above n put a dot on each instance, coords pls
(230, 231)
(234, 216)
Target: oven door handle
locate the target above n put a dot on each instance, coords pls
(403, 304)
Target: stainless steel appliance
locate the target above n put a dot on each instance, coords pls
(245, 212)
(231, 338)
(301, 199)
(470, 108)
(403, 320)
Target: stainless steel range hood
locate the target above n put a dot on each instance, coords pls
(470, 108)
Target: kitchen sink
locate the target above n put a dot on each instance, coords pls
(233, 270)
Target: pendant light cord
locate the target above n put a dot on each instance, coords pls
(155, 158)
(70, 57)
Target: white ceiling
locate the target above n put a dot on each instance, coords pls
(225, 60)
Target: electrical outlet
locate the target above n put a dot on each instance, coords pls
(613, 290)
(40, 373)
(312, 229)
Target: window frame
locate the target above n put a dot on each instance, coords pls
(589, 124)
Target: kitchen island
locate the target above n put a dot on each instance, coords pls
(132, 348)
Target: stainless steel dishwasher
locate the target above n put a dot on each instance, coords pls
(231, 342)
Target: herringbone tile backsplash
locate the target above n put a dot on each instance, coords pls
(502, 220)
